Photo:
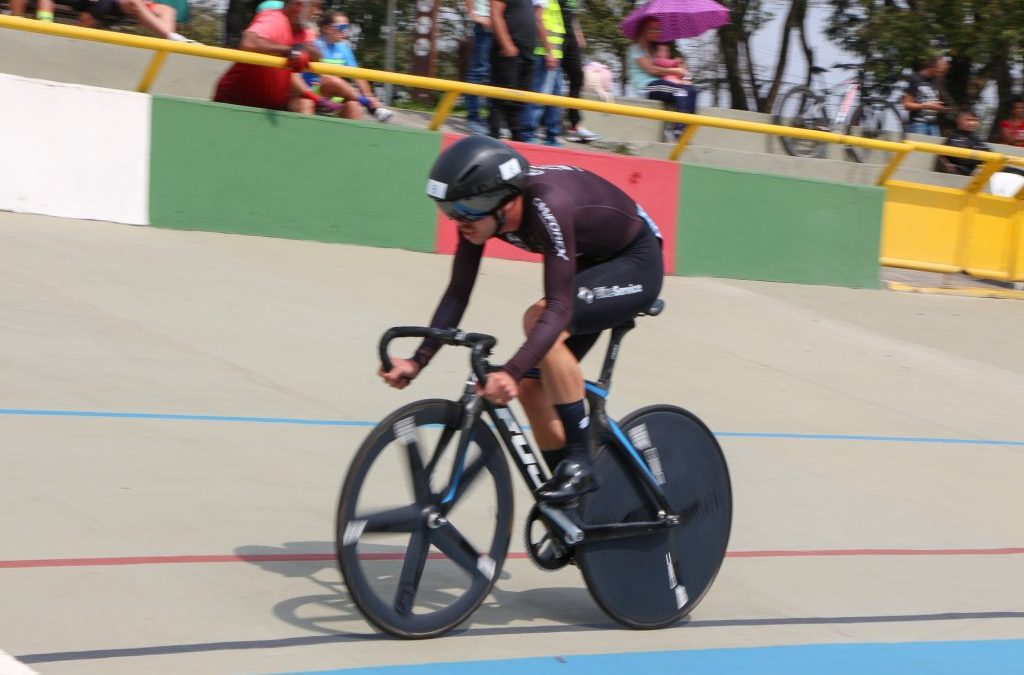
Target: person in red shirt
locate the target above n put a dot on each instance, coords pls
(1012, 128)
(279, 32)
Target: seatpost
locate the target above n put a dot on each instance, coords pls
(613, 353)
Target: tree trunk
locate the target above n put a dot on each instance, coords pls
(727, 37)
(794, 21)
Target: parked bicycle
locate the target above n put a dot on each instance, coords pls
(847, 108)
(425, 515)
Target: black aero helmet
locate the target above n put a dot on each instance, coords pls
(475, 177)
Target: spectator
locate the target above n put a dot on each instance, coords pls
(334, 47)
(279, 32)
(572, 66)
(479, 60)
(161, 20)
(650, 79)
(922, 98)
(663, 58)
(514, 25)
(547, 77)
(44, 9)
(964, 136)
(1011, 130)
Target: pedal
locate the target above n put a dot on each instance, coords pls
(545, 542)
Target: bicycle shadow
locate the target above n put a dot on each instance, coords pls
(332, 612)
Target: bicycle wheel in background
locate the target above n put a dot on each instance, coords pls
(876, 120)
(418, 557)
(801, 109)
(653, 580)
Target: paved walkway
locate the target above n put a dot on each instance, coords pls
(178, 410)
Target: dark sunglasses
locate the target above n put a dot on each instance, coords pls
(462, 211)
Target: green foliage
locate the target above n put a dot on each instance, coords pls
(983, 39)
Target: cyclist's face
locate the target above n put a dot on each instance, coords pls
(478, 231)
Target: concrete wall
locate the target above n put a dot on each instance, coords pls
(73, 151)
(757, 226)
(188, 164)
(225, 168)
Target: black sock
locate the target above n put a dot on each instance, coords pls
(575, 422)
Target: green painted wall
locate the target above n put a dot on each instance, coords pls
(745, 225)
(222, 168)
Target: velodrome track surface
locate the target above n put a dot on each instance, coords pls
(177, 410)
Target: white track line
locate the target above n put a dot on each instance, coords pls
(12, 666)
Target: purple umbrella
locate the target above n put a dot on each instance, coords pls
(678, 18)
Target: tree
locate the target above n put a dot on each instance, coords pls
(982, 39)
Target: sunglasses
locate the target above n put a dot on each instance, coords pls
(462, 211)
(340, 27)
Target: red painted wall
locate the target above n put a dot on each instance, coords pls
(653, 183)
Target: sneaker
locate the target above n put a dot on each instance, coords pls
(505, 133)
(382, 114)
(325, 106)
(554, 143)
(178, 37)
(581, 135)
(480, 128)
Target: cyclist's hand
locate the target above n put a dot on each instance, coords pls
(500, 388)
(403, 371)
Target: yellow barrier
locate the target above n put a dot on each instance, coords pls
(925, 227)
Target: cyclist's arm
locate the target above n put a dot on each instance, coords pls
(559, 284)
(453, 303)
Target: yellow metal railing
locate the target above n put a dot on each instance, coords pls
(453, 89)
(990, 161)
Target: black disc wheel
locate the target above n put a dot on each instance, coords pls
(800, 108)
(878, 121)
(421, 537)
(653, 580)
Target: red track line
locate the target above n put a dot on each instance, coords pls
(319, 557)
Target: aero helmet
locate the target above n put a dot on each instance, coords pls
(475, 177)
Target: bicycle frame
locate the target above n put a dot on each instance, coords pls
(526, 460)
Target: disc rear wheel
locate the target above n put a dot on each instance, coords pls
(653, 580)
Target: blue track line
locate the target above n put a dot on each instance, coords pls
(360, 423)
(985, 657)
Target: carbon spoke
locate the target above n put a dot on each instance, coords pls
(406, 434)
(451, 542)
(442, 443)
(412, 571)
(401, 519)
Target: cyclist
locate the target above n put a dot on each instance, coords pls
(602, 265)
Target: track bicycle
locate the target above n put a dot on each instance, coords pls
(425, 514)
(857, 113)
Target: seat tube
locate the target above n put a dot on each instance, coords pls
(613, 353)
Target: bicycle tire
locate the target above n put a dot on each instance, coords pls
(416, 593)
(879, 121)
(797, 109)
(637, 580)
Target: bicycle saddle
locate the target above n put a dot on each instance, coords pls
(655, 309)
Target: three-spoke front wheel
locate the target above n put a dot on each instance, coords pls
(421, 537)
